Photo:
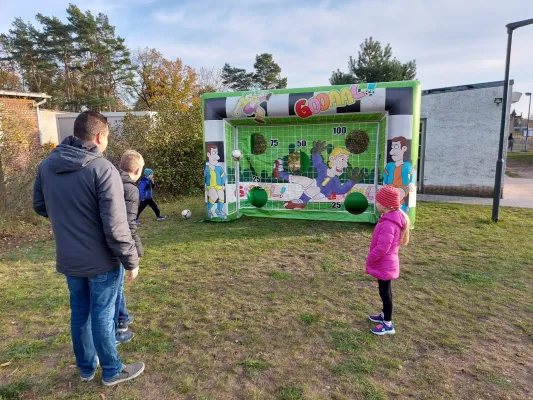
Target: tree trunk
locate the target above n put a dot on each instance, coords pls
(3, 197)
(67, 77)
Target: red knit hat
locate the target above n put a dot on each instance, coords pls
(388, 196)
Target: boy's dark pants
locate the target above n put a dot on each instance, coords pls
(153, 206)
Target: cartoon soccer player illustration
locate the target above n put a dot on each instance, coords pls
(215, 180)
(251, 105)
(399, 172)
(327, 181)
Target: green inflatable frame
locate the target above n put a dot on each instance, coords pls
(296, 147)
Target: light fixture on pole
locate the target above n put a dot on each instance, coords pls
(499, 164)
(527, 126)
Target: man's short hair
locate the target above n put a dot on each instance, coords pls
(131, 160)
(89, 124)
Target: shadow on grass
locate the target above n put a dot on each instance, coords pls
(253, 228)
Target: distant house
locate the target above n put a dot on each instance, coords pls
(24, 105)
(518, 124)
(459, 139)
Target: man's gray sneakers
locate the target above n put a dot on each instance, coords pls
(130, 371)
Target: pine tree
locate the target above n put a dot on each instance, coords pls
(105, 65)
(267, 75)
(58, 44)
(374, 64)
(9, 78)
(24, 47)
(236, 78)
(80, 63)
(340, 78)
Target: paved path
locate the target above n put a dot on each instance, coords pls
(517, 192)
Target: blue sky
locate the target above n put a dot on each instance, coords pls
(454, 42)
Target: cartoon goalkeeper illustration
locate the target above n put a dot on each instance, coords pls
(327, 182)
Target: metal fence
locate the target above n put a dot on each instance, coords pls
(520, 143)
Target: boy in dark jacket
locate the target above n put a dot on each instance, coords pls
(146, 187)
(131, 165)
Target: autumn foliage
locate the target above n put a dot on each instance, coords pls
(163, 81)
(170, 143)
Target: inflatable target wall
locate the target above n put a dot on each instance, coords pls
(315, 153)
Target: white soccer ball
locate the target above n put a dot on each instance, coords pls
(236, 155)
(186, 214)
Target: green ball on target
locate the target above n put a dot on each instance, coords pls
(305, 162)
(257, 196)
(356, 203)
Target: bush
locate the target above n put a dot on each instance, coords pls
(19, 158)
(170, 143)
(17, 192)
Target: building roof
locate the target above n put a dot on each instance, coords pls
(5, 93)
(465, 87)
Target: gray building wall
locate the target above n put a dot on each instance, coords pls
(462, 139)
(65, 122)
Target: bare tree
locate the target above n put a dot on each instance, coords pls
(210, 80)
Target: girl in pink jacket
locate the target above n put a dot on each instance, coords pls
(383, 262)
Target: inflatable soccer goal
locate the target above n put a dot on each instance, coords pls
(314, 153)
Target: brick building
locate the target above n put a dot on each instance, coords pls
(22, 105)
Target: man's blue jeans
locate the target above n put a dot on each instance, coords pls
(92, 304)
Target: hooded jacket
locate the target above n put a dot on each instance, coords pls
(146, 187)
(383, 262)
(82, 194)
(131, 195)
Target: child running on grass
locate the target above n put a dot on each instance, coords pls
(383, 262)
(131, 166)
(146, 187)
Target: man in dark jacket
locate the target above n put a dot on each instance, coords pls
(82, 194)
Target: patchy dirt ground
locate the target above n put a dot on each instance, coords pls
(14, 239)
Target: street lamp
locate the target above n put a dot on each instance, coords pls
(499, 164)
(527, 126)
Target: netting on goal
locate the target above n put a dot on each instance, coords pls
(304, 163)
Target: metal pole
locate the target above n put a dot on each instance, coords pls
(528, 114)
(499, 163)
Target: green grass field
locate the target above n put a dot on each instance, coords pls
(525, 159)
(519, 165)
(276, 309)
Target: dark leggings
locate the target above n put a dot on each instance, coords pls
(385, 291)
(153, 206)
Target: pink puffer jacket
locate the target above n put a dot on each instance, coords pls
(383, 261)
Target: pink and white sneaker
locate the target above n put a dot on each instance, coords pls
(376, 318)
(383, 329)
